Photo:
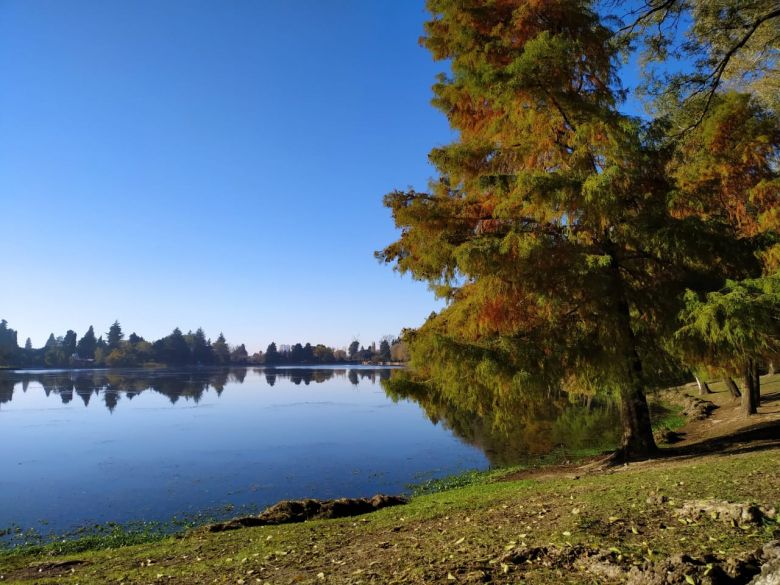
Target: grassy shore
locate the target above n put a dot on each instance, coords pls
(467, 534)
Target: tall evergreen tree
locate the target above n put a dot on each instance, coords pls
(114, 336)
(86, 345)
(173, 349)
(296, 354)
(69, 344)
(200, 347)
(221, 350)
(272, 354)
(9, 346)
(384, 350)
(548, 231)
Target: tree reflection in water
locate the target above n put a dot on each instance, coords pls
(515, 427)
(508, 429)
(190, 384)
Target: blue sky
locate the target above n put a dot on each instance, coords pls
(216, 164)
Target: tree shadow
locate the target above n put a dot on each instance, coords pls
(758, 437)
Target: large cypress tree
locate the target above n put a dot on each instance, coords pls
(548, 230)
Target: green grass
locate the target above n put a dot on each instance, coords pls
(668, 416)
(95, 538)
(459, 480)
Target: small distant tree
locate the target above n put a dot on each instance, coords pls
(296, 354)
(399, 351)
(354, 347)
(200, 348)
(114, 336)
(324, 354)
(272, 354)
(221, 350)
(172, 349)
(87, 344)
(239, 355)
(8, 344)
(384, 351)
(69, 343)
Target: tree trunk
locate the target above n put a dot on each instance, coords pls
(771, 368)
(748, 394)
(703, 386)
(756, 385)
(732, 386)
(638, 441)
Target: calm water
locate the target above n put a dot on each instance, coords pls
(80, 447)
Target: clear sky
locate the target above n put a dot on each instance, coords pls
(207, 163)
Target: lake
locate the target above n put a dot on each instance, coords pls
(79, 447)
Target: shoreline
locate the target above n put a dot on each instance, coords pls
(623, 517)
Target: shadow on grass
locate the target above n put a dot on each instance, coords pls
(758, 437)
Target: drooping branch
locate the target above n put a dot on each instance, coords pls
(713, 80)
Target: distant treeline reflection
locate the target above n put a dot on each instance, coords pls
(112, 385)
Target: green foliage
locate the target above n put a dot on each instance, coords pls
(87, 344)
(8, 344)
(726, 328)
(221, 350)
(114, 336)
(384, 350)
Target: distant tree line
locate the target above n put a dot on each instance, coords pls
(177, 349)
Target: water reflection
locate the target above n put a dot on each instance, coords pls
(121, 445)
(520, 427)
(127, 445)
(507, 432)
(113, 385)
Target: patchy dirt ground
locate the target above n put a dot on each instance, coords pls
(705, 512)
